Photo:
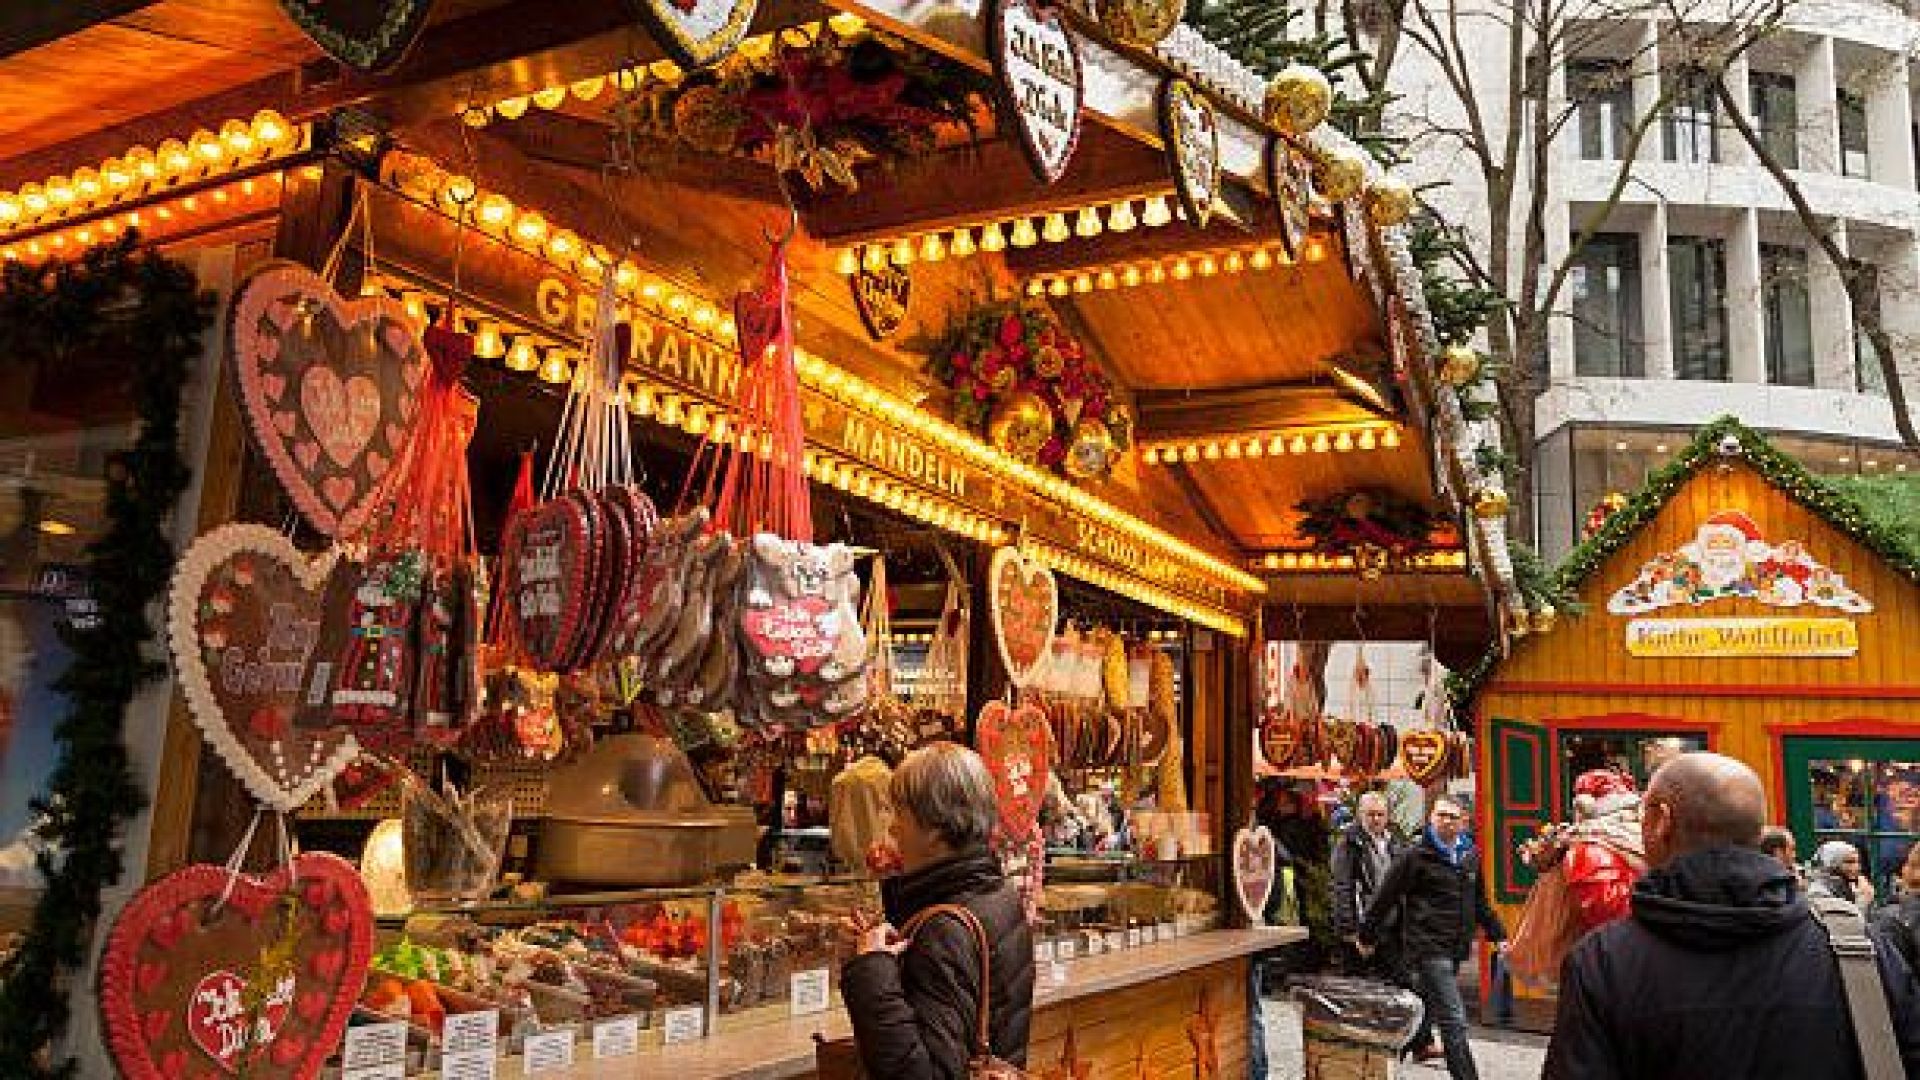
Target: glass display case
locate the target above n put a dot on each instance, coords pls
(1094, 904)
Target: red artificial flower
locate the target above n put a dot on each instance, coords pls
(1011, 331)
(1053, 451)
(962, 362)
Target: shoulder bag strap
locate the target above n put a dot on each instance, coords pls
(1860, 980)
(982, 1032)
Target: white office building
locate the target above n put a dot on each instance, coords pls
(1700, 293)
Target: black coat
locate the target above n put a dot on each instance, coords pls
(1353, 878)
(914, 1015)
(1722, 970)
(1899, 922)
(1437, 902)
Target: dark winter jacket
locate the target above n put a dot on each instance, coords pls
(1438, 901)
(1353, 878)
(1899, 922)
(1721, 971)
(914, 1015)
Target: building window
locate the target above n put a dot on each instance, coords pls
(1606, 307)
(1853, 136)
(1868, 375)
(1697, 289)
(1783, 282)
(1776, 115)
(1602, 92)
(1688, 128)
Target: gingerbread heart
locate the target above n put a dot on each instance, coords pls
(551, 558)
(197, 1002)
(1042, 82)
(243, 619)
(364, 34)
(354, 368)
(1256, 863)
(1016, 745)
(1424, 754)
(1023, 600)
(1192, 133)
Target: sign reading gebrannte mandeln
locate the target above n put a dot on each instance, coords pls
(1730, 560)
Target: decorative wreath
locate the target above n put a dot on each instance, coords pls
(1369, 518)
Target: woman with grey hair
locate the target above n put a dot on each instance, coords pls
(1836, 872)
(917, 989)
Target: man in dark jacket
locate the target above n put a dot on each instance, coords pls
(1721, 970)
(1899, 918)
(1361, 858)
(1437, 892)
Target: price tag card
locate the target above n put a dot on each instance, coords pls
(468, 1065)
(1057, 971)
(1043, 951)
(683, 1025)
(808, 992)
(471, 1033)
(1064, 949)
(375, 1052)
(1133, 937)
(1096, 943)
(618, 1037)
(1116, 940)
(1166, 931)
(549, 1051)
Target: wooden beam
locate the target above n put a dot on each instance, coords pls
(989, 181)
(1174, 414)
(1202, 505)
(575, 142)
(32, 24)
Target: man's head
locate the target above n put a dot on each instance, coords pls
(1373, 813)
(1839, 857)
(1698, 801)
(1447, 819)
(1777, 841)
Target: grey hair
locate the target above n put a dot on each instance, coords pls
(1831, 854)
(1775, 839)
(1444, 800)
(948, 791)
(1371, 798)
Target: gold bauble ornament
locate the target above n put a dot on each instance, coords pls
(1491, 503)
(1459, 364)
(1092, 451)
(1020, 424)
(1340, 173)
(705, 120)
(1299, 99)
(1518, 625)
(1144, 23)
(1544, 618)
(1390, 201)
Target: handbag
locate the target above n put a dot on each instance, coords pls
(839, 1059)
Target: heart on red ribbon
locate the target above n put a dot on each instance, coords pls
(1023, 600)
(1016, 743)
(176, 980)
(330, 389)
(1424, 754)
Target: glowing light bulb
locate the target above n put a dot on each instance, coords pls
(962, 245)
(1156, 273)
(932, 248)
(206, 149)
(1260, 259)
(1107, 281)
(1055, 230)
(555, 369)
(1316, 250)
(10, 209)
(1182, 269)
(551, 98)
(589, 88)
(530, 228)
(902, 253)
(495, 212)
(116, 176)
(1320, 443)
(272, 131)
(1390, 438)
(1036, 287)
(1343, 442)
(141, 162)
(1367, 441)
(1158, 213)
(1130, 277)
(237, 137)
(992, 239)
(1207, 266)
(1256, 448)
(1298, 445)
(874, 258)
(1083, 284)
(1024, 234)
(1059, 287)
(458, 191)
(846, 264)
(416, 308)
(1151, 455)
(522, 356)
(487, 343)
(512, 108)
(60, 192)
(1234, 263)
(174, 159)
(87, 185)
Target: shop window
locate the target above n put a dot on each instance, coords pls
(1637, 753)
(1789, 315)
(1865, 792)
(1689, 130)
(1602, 94)
(1854, 159)
(1606, 307)
(1697, 291)
(1776, 116)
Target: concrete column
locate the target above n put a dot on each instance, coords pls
(1818, 105)
(1832, 319)
(1900, 297)
(1734, 149)
(1654, 300)
(1746, 308)
(1890, 125)
(1646, 86)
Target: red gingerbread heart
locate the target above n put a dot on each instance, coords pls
(1023, 601)
(173, 1008)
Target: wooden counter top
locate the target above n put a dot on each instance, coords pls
(784, 1049)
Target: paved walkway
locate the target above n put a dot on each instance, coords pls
(1500, 1055)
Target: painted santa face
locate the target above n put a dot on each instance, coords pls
(1723, 555)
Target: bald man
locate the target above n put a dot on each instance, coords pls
(1721, 971)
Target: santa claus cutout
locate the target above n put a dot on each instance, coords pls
(1729, 559)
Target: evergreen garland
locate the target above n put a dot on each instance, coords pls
(149, 308)
(1710, 444)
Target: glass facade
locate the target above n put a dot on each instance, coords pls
(1776, 115)
(1697, 294)
(1688, 129)
(1605, 291)
(1789, 315)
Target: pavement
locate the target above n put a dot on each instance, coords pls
(1499, 1054)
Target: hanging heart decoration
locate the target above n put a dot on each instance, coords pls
(1424, 754)
(1192, 133)
(1042, 83)
(1290, 181)
(243, 620)
(1256, 866)
(363, 34)
(260, 985)
(329, 388)
(1015, 743)
(1280, 738)
(882, 294)
(696, 33)
(1023, 600)
(551, 558)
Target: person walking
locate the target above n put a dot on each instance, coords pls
(1361, 858)
(1435, 890)
(1777, 842)
(1898, 920)
(915, 998)
(1836, 873)
(1721, 970)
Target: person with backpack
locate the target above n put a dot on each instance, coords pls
(1724, 968)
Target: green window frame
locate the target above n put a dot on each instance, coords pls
(1871, 798)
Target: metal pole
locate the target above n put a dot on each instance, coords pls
(714, 936)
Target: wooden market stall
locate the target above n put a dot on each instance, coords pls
(1233, 304)
(1736, 604)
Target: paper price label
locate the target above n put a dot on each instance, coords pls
(1043, 952)
(683, 1025)
(1166, 931)
(808, 992)
(375, 1052)
(549, 1051)
(1057, 972)
(618, 1037)
(1064, 949)
(468, 1065)
(471, 1033)
(1116, 940)
(1133, 937)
